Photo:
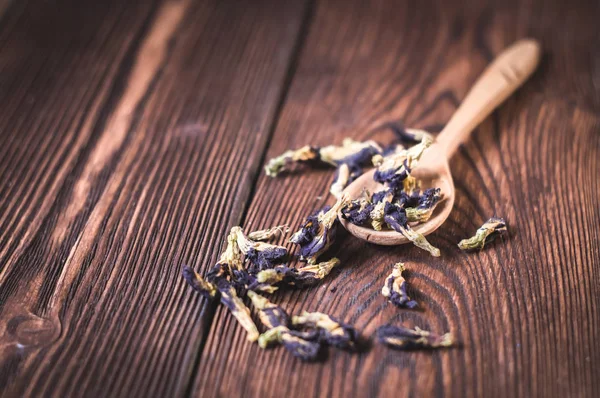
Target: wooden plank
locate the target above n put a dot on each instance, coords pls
(525, 310)
(131, 137)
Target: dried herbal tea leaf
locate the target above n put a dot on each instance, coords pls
(425, 206)
(200, 285)
(267, 234)
(396, 218)
(261, 255)
(318, 232)
(230, 299)
(271, 315)
(330, 330)
(395, 288)
(410, 339)
(485, 234)
(302, 155)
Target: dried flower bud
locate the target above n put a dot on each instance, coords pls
(267, 234)
(302, 155)
(358, 211)
(395, 288)
(341, 180)
(246, 281)
(409, 339)
(485, 234)
(380, 200)
(396, 218)
(425, 206)
(318, 232)
(393, 170)
(203, 287)
(230, 299)
(261, 255)
(293, 342)
(270, 315)
(331, 330)
(351, 152)
(232, 257)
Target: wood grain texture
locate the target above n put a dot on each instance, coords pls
(526, 309)
(130, 136)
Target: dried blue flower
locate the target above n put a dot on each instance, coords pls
(395, 288)
(271, 315)
(200, 285)
(246, 281)
(358, 211)
(269, 233)
(485, 234)
(306, 276)
(293, 342)
(230, 299)
(330, 330)
(302, 155)
(395, 217)
(409, 339)
(261, 255)
(393, 170)
(425, 205)
(341, 179)
(277, 321)
(353, 153)
(318, 232)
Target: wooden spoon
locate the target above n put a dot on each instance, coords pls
(508, 71)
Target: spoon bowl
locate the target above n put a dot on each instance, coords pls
(500, 79)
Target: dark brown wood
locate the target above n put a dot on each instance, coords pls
(525, 310)
(130, 138)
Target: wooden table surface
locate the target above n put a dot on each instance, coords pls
(133, 135)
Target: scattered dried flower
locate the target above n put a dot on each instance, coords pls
(425, 206)
(395, 288)
(230, 299)
(269, 233)
(409, 339)
(485, 234)
(330, 330)
(318, 232)
(396, 218)
(302, 155)
(261, 255)
(200, 285)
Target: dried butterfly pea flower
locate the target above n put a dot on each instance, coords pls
(358, 211)
(302, 277)
(271, 315)
(267, 234)
(244, 280)
(395, 288)
(318, 232)
(485, 234)
(354, 153)
(425, 206)
(230, 299)
(302, 155)
(330, 330)
(395, 217)
(200, 285)
(393, 170)
(277, 322)
(261, 255)
(292, 341)
(409, 339)
(380, 200)
(340, 181)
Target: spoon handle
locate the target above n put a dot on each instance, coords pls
(500, 79)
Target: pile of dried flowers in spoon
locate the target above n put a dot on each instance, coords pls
(251, 267)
